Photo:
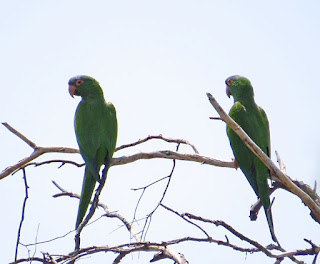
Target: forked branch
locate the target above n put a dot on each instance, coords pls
(164, 154)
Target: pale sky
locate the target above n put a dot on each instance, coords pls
(155, 60)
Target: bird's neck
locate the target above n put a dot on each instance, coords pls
(247, 102)
(93, 100)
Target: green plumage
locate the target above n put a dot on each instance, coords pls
(96, 132)
(253, 120)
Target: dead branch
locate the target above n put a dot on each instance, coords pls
(230, 229)
(184, 218)
(278, 185)
(38, 151)
(125, 222)
(283, 178)
(168, 154)
(165, 154)
(124, 249)
(161, 248)
(170, 140)
(26, 187)
(149, 216)
(167, 252)
(257, 247)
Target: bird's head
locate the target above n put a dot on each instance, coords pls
(239, 87)
(85, 86)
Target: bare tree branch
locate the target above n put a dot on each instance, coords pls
(123, 249)
(184, 218)
(168, 154)
(103, 206)
(165, 154)
(38, 151)
(165, 252)
(18, 134)
(257, 246)
(126, 249)
(233, 231)
(170, 140)
(162, 249)
(278, 185)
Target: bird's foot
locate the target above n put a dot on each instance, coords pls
(235, 163)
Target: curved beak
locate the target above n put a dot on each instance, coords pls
(228, 91)
(72, 89)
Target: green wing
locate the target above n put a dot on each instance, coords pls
(243, 156)
(254, 122)
(96, 131)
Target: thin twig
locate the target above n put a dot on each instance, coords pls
(48, 241)
(187, 220)
(170, 140)
(281, 163)
(47, 162)
(18, 134)
(148, 220)
(26, 187)
(150, 184)
(233, 231)
(214, 118)
(109, 214)
(119, 258)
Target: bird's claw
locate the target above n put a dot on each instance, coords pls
(235, 163)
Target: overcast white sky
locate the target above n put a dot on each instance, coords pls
(155, 61)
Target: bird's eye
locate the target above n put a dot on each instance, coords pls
(229, 81)
(79, 82)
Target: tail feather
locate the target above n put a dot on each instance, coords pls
(270, 223)
(88, 185)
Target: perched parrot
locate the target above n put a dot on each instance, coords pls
(253, 120)
(96, 131)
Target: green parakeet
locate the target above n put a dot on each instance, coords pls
(96, 131)
(253, 120)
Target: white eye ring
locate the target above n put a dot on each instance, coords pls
(79, 82)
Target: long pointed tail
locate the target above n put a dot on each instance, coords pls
(87, 189)
(270, 223)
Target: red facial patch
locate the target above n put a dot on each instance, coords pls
(229, 82)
